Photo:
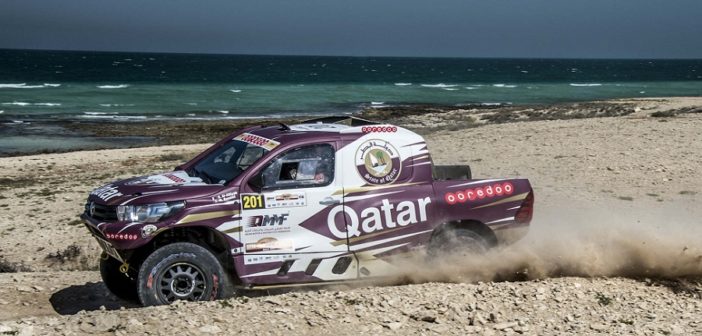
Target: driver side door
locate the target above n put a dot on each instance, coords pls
(294, 229)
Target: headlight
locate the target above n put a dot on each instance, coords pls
(148, 213)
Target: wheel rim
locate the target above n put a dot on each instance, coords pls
(182, 281)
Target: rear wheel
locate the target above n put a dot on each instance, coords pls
(182, 271)
(457, 242)
(123, 286)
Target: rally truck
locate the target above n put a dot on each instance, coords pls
(324, 201)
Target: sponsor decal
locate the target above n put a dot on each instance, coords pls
(225, 197)
(387, 216)
(270, 244)
(267, 224)
(148, 230)
(286, 200)
(489, 191)
(267, 220)
(377, 162)
(257, 140)
(261, 259)
(254, 201)
(174, 178)
(379, 129)
(107, 192)
(121, 236)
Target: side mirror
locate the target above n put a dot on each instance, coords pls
(256, 181)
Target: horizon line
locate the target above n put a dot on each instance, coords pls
(355, 56)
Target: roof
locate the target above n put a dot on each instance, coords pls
(319, 127)
(325, 128)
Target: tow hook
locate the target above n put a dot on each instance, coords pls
(124, 268)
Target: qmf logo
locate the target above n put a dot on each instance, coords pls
(268, 220)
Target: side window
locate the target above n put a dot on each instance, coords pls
(307, 166)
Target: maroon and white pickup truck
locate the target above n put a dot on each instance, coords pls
(317, 202)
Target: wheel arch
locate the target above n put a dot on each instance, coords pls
(467, 224)
(204, 236)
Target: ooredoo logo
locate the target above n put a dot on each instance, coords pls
(497, 189)
(378, 162)
(379, 129)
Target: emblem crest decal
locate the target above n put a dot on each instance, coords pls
(378, 162)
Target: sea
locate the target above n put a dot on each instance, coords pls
(38, 87)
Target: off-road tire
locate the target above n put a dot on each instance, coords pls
(182, 271)
(457, 242)
(123, 286)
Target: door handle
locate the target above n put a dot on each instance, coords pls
(329, 201)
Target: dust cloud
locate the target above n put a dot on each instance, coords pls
(592, 240)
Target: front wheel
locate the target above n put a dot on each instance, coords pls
(181, 271)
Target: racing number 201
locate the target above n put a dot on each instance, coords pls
(252, 201)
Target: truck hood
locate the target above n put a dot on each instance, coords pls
(166, 187)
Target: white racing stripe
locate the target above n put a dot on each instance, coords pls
(373, 253)
(419, 164)
(362, 197)
(507, 219)
(383, 241)
(216, 204)
(475, 182)
(148, 194)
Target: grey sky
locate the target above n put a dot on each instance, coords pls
(461, 28)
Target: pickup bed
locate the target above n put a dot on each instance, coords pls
(317, 202)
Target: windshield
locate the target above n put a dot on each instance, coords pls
(227, 162)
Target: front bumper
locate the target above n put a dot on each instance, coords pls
(115, 238)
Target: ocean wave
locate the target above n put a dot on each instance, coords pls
(403, 84)
(376, 104)
(115, 105)
(440, 85)
(450, 89)
(585, 84)
(16, 103)
(496, 104)
(99, 113)
(119, 86)
(235, 90)
(25, 86)
(222, 111)
(114, 117)
(504, 86)
(471, 88)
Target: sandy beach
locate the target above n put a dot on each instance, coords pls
(617, 220)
